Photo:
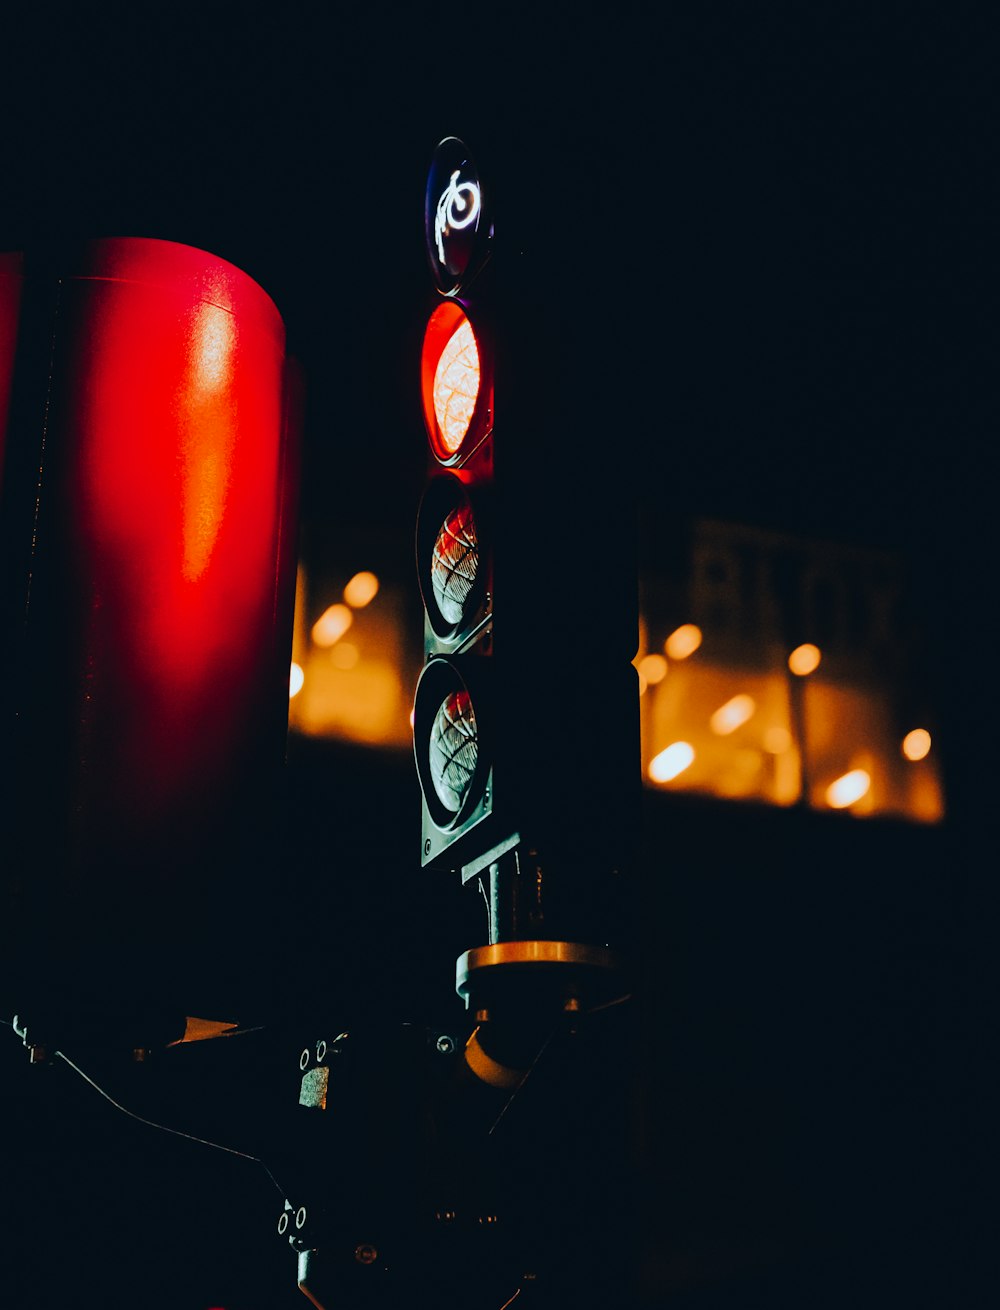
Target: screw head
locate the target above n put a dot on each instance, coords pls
(304, 1059)
(300, 1218)
(320, 1051)
(365, 1253)
(283, 1221)
(427, 846)
(445, 1044)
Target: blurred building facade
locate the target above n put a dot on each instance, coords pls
(773, 669)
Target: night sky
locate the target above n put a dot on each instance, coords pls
(803, 253)
(804, 202)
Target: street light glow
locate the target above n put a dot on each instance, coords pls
(848, 789)
(672, 762)
(296, 678)
(361, 589)
(683, 641)
(652, 669)
(727, 718)
(804, 659)
(917, 744)
(331, 625)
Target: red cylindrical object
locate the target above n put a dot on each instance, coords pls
(151, 611)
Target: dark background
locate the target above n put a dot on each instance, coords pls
(791, 1111)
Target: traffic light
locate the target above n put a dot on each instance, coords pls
(147, 566)
(452, 707)
(526, 709)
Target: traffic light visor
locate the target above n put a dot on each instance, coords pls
(457, 397)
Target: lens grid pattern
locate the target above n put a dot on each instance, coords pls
(454, 750)
(455, 563)
(456, 386)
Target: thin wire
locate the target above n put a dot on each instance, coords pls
(527, 1074)
(511, 1300)
(609, 1005)
(164, 1128)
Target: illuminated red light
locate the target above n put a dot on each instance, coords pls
(452, 381)
(456, 386)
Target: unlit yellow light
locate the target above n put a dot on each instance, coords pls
(672, 762)
(683, 641)
(848, 789)
(917, 744)
(296, 678)
(331, 625)
(804, 659)
(653, 669)
(727, 718)
(361, 589)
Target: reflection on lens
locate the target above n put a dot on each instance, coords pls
(456, 386)
(454, 749)
(455, 563)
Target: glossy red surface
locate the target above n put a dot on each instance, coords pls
(149, 529)
(173, 407)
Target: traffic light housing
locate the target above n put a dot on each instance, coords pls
(454, 523)
(526, 710)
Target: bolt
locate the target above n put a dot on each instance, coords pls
(300, 1218)
(283, 1219)
(365, 1253)
(304, 1059)
(320, 1051)
(445, 1044)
